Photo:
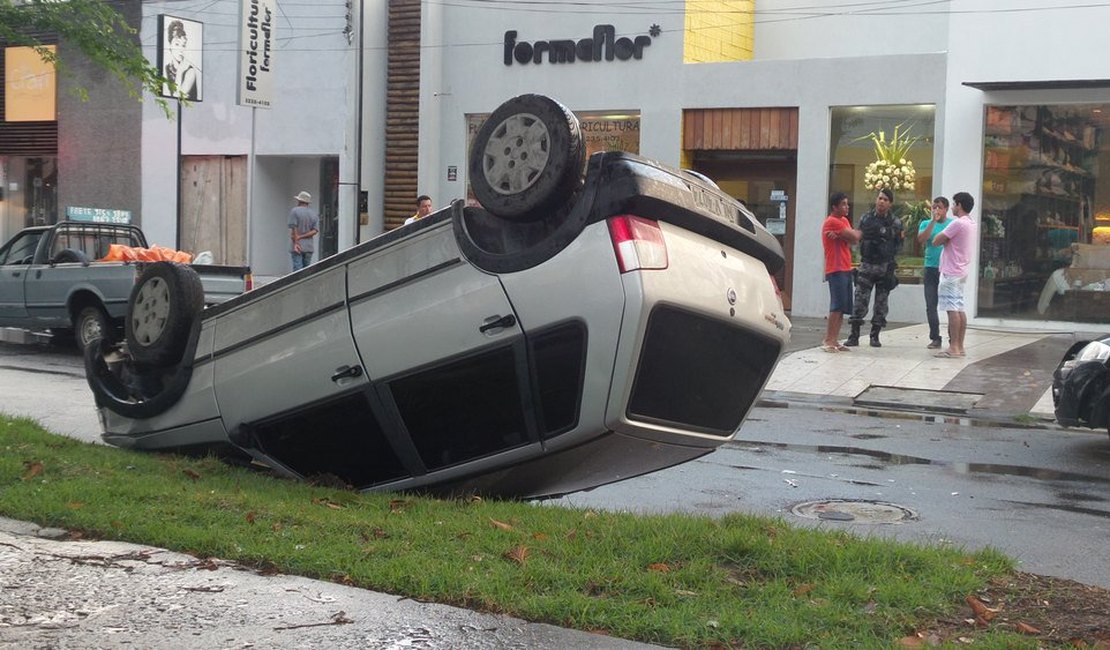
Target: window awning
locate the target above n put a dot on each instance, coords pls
(1047, 84)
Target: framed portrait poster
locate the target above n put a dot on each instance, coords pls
(180, 57)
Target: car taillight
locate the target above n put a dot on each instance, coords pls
(250, 282)
(638, 243)
(778, 293)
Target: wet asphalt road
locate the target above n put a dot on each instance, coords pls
(1042, 496)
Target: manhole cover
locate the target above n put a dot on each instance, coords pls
(857, 511)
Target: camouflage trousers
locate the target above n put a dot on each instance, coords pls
(867, 278)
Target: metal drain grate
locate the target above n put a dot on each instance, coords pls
(917, 399)
(854, 510)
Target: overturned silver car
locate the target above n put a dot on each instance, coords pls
(577, 330)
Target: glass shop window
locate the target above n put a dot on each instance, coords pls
(851, 168)
(1045, 220)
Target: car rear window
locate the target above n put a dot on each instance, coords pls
(697, 372)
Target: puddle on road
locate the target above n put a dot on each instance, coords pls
(889, 459)
(850, 481)
(1064, 507)
(1079, 496)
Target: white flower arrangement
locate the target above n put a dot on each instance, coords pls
(898, 175)
(891, 169)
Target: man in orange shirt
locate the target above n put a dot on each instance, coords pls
(837, 236)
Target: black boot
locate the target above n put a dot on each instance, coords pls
(853, 338)
(875, 329)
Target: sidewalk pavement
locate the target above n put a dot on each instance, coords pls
(1006, 373)
(61, 593)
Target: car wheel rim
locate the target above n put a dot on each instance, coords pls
(91, 330)
(516, 153)
(152, 309)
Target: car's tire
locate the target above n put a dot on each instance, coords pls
(132, 391)
(71, 255)
(91, 324)
(527, 158)
(160, 312)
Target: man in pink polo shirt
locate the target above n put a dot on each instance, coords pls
(955, 261)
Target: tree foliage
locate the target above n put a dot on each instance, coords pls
(92, 26)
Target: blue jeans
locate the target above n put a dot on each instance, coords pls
(932, 283)
(301, 260)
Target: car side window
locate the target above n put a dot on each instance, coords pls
(559, 358)
(21, 250)
(342, 438)
(464, 409)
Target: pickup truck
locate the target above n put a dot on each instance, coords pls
(51, 279)
(574, 330)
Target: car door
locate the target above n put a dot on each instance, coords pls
(440, 340)
(15, 261)
(51, 282)
(290, 388)
(285, 351)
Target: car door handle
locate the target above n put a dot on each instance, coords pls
(343, 372)
(505, 321)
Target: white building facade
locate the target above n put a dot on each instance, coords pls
(221, 174)
(1017, 125)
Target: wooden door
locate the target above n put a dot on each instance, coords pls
(750, 152)
(214, 207)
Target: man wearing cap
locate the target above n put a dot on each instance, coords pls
(881, 236)
(303, 223)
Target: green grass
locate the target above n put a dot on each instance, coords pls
(1025, 418)
(682, 580)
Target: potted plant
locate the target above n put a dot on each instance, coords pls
(912, 213)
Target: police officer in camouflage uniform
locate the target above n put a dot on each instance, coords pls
(882, 237)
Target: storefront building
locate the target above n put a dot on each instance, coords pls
(52, 160)
(273, 113)
(778, 106)
(271, 110)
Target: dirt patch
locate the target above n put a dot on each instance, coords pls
(1057, 612)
